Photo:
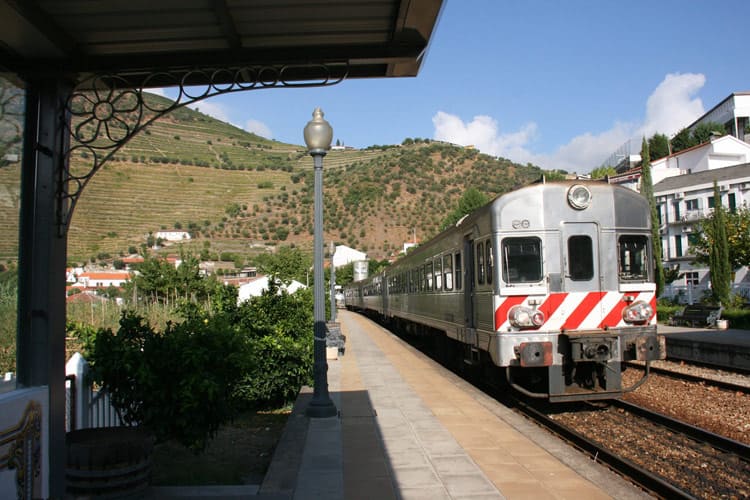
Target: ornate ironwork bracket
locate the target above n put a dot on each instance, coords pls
(23, 455)
(106, 111)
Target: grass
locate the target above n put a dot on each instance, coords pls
(240, 453)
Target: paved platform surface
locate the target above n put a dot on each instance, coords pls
(408, 429)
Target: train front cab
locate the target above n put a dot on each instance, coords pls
(575, 301)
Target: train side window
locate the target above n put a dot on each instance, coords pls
(448, 272)
(459, 271)
(580, 258)
(489, 261)
(438, 266)
(480, 263)
(633, 252)
(428, 276)
(522, 260)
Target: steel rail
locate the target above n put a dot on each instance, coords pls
(715, 440)
(720, 384)
(640, 476)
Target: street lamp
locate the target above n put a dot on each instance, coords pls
(318, 136)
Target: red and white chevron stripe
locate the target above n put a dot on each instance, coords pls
(577, 310)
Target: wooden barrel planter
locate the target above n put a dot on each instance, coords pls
(108, 462)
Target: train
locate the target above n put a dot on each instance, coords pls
(549, 287)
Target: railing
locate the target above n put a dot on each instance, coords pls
(690, 294)
(86, 407)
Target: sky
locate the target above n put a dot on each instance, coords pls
(560, 84)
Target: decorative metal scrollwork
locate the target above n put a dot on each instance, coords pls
(107, 111)
(24, 450)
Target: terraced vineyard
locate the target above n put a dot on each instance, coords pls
(238, 192)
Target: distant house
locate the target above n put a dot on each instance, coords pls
(129, 262)
(173, 235)
(102, 279)
(343, 255)
(256, 287)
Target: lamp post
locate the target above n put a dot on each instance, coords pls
(318, 135)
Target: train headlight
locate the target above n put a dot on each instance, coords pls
(525, 317)
(579, 197)
(638, 312)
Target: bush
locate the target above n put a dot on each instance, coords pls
(177, 384)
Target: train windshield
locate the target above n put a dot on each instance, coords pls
(633, 257)
(522, 260)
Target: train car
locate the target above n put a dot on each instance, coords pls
(553, 283)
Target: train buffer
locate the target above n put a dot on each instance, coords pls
(697, 315)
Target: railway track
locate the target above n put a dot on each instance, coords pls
(602, 454)
(667, 457)
(718, 383)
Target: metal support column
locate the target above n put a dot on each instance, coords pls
(40, 334)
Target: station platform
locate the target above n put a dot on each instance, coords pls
(728, 349)
(409, 429)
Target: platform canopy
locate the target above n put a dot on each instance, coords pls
(136, 38)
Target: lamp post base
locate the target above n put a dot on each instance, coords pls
(321, 409)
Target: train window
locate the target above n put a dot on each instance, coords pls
(633, 252)
(459, 275)
(428, 276)
(480, 263)
(448, 272)
(438, 266)
(489, 260)
(522, 260)
(580, 258)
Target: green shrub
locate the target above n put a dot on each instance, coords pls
(177, 383)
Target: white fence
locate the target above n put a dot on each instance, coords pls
(690, 294)
(86, 407)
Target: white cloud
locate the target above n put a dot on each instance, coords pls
(258, 128)
(672, 106)
(156, 90)
(216, 110)
(669, 108)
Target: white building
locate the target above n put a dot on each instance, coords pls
(256, 287)
(684, 200)
(343, 255)
(733, 112)
(683, 189)
(173, 235)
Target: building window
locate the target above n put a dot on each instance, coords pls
(732, 201)
(676, 206)
(711, 202)
(691, 204)
(691, 278)
(678, 245)
(658, 214)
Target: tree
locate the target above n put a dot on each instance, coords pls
(602, 172)
(737, 226)
(470, 201)
(286, 264)
(647, 190)
(682, 140)
(719, 255)
(658, 146)
(704, 131)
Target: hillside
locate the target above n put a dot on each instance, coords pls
(237, 192)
